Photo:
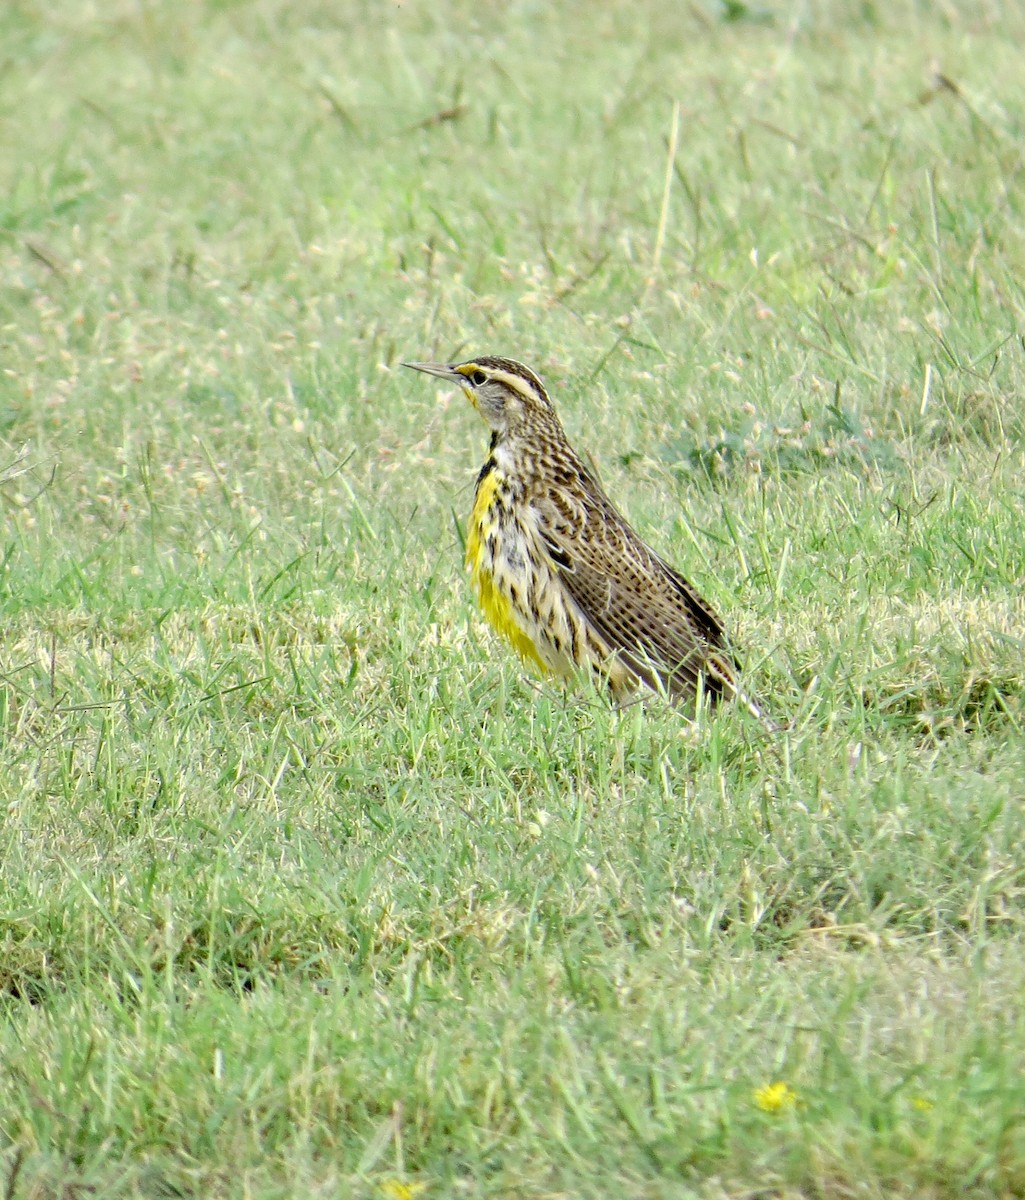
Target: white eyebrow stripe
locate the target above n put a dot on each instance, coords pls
(515, 383)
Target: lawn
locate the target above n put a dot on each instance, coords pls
(309, 888)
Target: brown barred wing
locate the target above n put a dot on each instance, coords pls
(644, 611)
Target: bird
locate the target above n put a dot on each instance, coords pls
(560, 572)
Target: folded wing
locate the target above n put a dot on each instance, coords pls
(643, 609)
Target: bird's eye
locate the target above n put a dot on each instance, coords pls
(477, 378)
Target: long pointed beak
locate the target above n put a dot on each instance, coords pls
(442, 370)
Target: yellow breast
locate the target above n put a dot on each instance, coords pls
(480, 558)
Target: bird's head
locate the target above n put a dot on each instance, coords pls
(508, 395)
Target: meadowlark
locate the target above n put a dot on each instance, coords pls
(559, 572)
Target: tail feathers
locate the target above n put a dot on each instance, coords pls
(722, 683)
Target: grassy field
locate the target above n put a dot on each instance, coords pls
(307, 889)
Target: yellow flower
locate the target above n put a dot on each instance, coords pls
(922, 1103)
(395, 1189)
(775, 1097)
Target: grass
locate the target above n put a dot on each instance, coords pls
(307, 890)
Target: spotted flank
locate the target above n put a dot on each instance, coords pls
(489, 550)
